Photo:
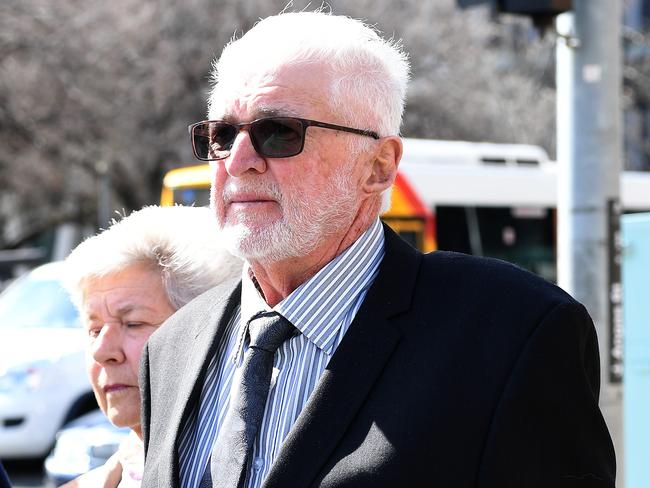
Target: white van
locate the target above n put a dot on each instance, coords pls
(43, 383)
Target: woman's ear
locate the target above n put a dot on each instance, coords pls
(384, 165)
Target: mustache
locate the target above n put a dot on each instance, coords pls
(267, 189)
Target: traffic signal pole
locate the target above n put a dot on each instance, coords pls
(589, 154)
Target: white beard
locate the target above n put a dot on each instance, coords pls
(304, 223)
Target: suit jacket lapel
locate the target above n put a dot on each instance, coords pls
(355, 366)
(211, 323)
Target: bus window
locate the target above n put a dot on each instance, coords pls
(522, 236)
(192, 196)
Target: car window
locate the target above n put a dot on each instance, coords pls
(33, 302)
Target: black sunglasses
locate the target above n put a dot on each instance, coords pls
(272, 137)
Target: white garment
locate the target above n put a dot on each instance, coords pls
(131, 457)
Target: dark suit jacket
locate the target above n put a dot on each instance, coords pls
(456, 372)
(4, 479)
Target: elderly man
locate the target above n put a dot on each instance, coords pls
(343, 357)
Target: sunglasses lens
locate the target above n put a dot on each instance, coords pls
(213, 140)
(278, 137)
(274, 137)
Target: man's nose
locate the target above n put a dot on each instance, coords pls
(108, 345)
(243, 157)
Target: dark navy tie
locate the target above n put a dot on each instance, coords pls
(233, 448)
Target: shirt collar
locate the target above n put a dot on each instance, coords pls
(252, 302)
(315, 308)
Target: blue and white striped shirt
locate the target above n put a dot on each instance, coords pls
(322, 309)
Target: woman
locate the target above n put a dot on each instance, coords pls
(126, 281)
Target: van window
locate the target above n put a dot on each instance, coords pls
(30, 302)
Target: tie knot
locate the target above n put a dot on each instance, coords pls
(268, 330)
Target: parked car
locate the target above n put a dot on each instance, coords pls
(82, 445)
(43, 383)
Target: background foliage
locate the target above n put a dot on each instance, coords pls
(86, 85)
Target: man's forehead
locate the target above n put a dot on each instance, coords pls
(292, 91)
(258, 112)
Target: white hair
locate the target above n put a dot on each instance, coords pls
(368, 74)
(183, 243)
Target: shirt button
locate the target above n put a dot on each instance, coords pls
(258, 463)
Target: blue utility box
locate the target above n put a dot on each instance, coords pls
(636, 365)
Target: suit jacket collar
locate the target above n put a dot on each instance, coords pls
(354, 368)
(211, 316)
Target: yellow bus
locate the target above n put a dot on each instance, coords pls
(484, 199)
(408, 216)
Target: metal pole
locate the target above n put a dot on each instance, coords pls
(589, 153)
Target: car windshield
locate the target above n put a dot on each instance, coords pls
(36, 302)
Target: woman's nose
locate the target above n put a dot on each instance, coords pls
(108, 345)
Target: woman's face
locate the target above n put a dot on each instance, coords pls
(120, 311)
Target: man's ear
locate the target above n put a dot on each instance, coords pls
(384, 165)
